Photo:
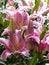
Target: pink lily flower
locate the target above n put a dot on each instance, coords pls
(33, 38)
(46, 41)
(33, 41)
(21, 19)
(40, 19)
(30, 27)
(44, 45)
(14, 44)
(37, 24)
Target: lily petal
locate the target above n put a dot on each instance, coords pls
(25, 53)
(6, 31)
(4, 42)
(34, 38)
(5, 54)
(18, 19)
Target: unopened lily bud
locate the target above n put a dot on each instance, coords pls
(11, 25)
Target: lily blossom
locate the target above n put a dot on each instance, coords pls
(33, 38)
(33, 41)
(37, 21)
(21, 19)
(13, 45)
(46, 41)
(40, 19)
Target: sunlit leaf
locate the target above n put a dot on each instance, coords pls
(47, 2)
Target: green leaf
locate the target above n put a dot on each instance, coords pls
(29, 11)
(3, 15)
(2, 48)
(6, 23)
(1, 20)
(47, 1)
(2, 62)
(34, 59)
(37, 2)
(1, 29)
(3, 4)
(43, 62)
(43, 34)
(40, 57)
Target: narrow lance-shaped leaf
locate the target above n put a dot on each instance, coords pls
(37, 2)
(1, 20)
(2, 62)
(34, 59)
(5, 3)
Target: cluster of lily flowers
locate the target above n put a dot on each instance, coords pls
(24, 30)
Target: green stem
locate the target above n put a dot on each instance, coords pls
(34, 59)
